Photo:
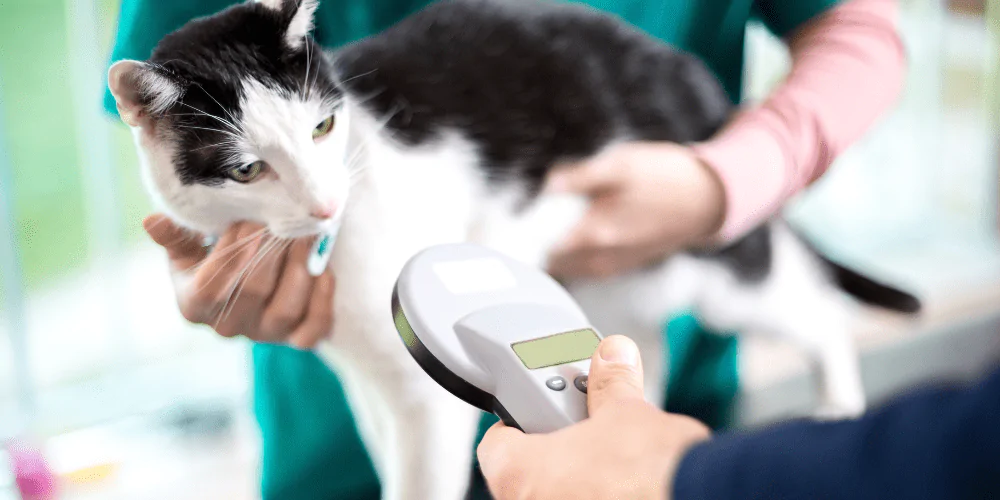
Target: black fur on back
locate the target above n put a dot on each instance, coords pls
(211, 58)
(531, 83)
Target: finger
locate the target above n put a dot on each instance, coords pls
(184, 248)
(615, 374)
(252, 291)
(567, 265)
(589, 177)
(215, 279)
(603, 262)
(319, 318)
(498, 455)
(583, 263)
(595, 230)
(290, 300)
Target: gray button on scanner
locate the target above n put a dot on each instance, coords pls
(556, 383)
(581, 383)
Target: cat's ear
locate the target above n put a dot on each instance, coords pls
(300, 15)
(141, 92)
(301, 23)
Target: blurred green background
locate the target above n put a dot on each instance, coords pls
(43, 144)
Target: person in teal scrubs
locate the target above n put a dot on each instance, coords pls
(311, 448)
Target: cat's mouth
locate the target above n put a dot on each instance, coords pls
(305, 229)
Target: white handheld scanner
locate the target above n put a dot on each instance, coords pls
(500, 335)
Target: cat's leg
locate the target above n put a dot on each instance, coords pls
(840, 388)
(419, 436)
(818, 323)
(434, 435)
(371, 416)
(794, 303)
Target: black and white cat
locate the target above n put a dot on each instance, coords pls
(442, 129)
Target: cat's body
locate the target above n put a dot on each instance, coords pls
(444, 129)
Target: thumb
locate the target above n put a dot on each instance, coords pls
(184, 248)
(615, 374)
(500, 452)
(585, 178)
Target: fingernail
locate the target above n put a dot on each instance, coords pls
(619, 349)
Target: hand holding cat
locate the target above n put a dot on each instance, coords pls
(266, 296)
(627, 448)
(648, 200)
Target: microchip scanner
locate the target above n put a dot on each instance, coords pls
(499, 334)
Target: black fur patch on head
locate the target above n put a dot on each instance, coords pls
(531, 83)
(211, 58)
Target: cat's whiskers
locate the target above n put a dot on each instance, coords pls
(356, 176)
(275, 244)
(231, 249)
(210, 129)
(306, 86)
(233, 159)
(340, 84)
(235, 249)
(231, 117)
(235, 133)
(355, 155)
(355, 173)
(201, 112)
(228, 142)
(239, 283)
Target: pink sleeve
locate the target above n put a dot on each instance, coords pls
(848, 67)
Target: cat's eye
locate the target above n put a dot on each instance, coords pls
(323, 128)
(246, 173)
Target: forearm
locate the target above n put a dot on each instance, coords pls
(940, 443)
(848, 67)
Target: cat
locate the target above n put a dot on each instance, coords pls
(442, 129)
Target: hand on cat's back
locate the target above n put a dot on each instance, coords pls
(240, 288)
(648, 200)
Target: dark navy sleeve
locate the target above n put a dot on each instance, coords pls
(936, 443)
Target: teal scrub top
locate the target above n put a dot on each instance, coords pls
(311, 448)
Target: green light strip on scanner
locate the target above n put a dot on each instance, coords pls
(404, 329)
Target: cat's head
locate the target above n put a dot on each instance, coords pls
(238, 116)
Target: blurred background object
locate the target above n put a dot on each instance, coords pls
(129, 401)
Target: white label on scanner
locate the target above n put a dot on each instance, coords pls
(474, 275)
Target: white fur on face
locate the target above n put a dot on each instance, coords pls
(310, 173)
(304, 174)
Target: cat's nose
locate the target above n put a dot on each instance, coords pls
(324, 210)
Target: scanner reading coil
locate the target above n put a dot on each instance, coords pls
(494, 332)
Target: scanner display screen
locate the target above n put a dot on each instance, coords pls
(557, 349)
